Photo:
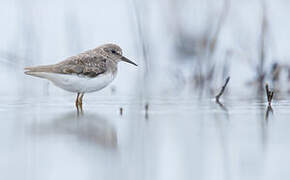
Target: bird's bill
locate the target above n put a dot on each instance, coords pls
(128, 60)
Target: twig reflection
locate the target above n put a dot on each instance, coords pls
(268, 112)
(222, 106)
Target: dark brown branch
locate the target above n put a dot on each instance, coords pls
(269, 94)
(217, 97)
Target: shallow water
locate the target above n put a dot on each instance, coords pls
(178, 139)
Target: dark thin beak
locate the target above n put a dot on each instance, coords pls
(128, 61)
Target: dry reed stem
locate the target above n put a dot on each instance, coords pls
(270, 94)
(222, 90)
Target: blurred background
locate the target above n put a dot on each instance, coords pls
(181, 46)
(171, 127)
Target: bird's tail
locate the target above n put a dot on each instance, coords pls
(46, 68)
(37, 70)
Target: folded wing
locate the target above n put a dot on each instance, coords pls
(82, 64)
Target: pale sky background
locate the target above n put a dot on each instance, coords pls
(45, 32)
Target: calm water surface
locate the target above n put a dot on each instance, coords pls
(178, 139)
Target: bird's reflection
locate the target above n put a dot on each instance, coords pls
(88, 128)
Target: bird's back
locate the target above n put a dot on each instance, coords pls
(90, 63)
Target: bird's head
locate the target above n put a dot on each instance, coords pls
(114, 52)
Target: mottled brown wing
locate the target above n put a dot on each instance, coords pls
(83, 64)
(94, 71)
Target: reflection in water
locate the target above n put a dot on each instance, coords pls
(222, 126)
(197, 141)
(264, 126)
(87, 128)
(223, 108)
(268, 112)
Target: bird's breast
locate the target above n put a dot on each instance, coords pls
(83, 84)
(97, 83)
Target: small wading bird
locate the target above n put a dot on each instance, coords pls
(87, 72)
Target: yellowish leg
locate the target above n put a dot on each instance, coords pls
(77, 102)
(80, 100)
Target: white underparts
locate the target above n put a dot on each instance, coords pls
(77, 83)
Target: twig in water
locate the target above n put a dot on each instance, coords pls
(217, 97)
(146, 110)
(269, 94)
(121, 111)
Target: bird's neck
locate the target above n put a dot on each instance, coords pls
(112, 66)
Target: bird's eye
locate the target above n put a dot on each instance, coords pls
(113, 51)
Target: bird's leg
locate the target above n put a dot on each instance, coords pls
(77, 102)
(81, 101)
(81, 98)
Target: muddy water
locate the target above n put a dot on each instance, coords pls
(178, 139)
